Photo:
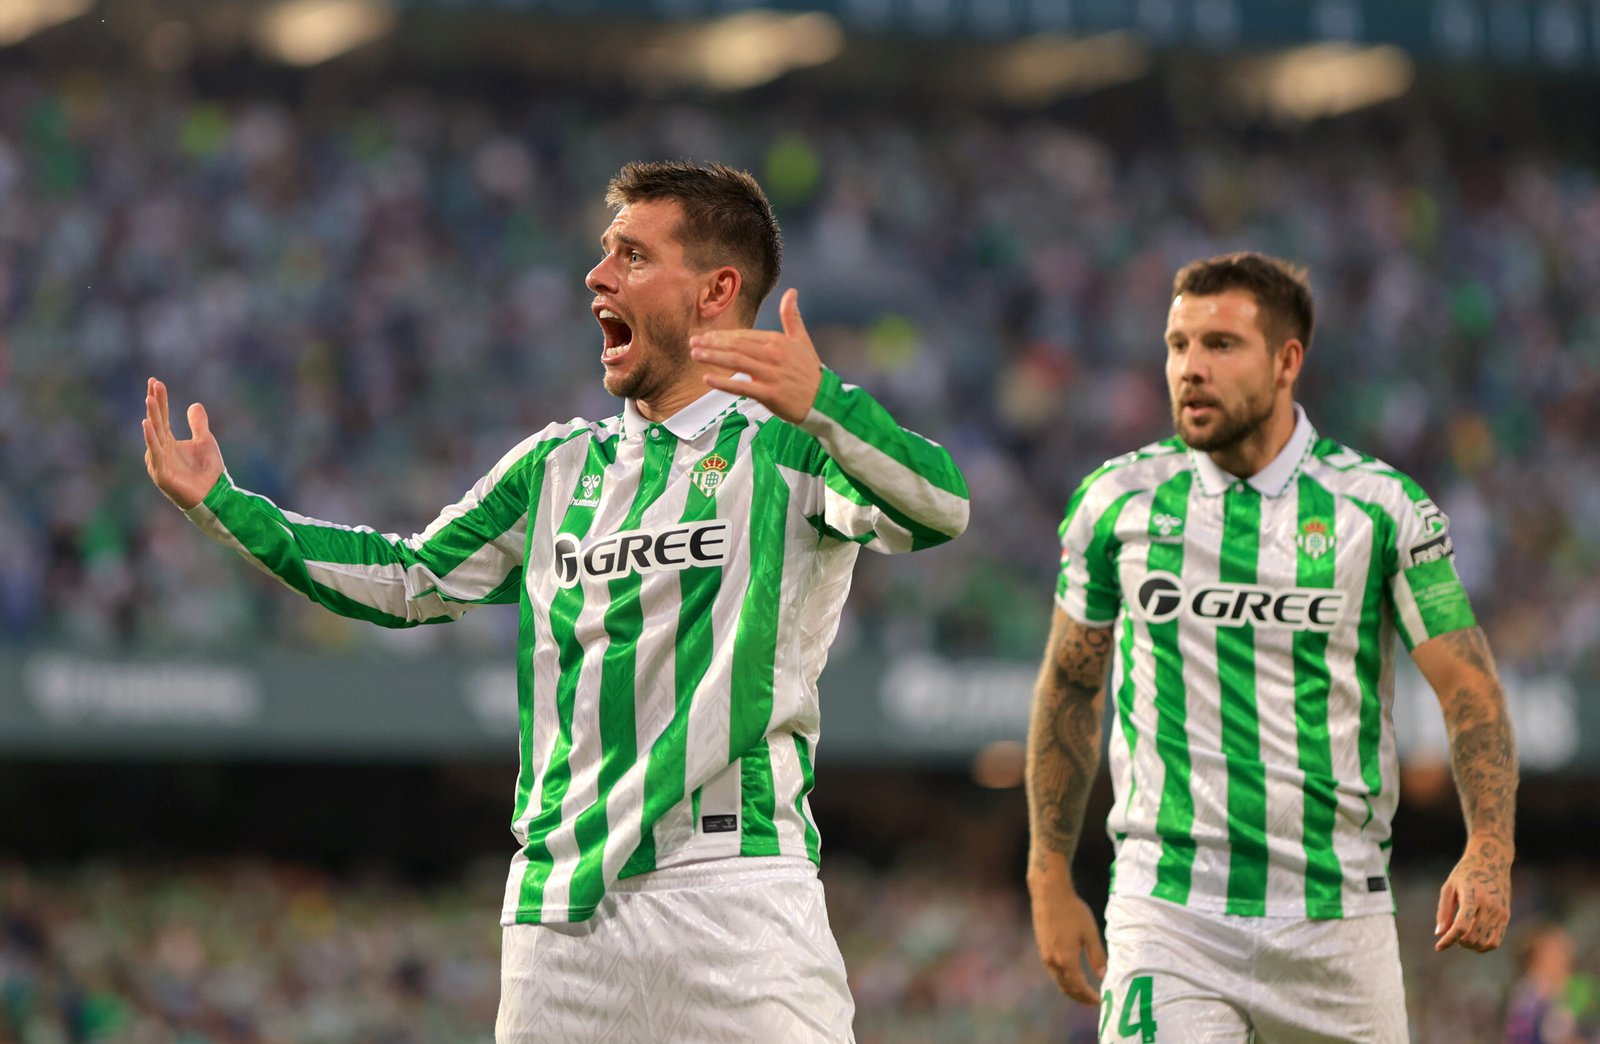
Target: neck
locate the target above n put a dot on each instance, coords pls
(689, 385)
(664, 404)
(1261, 447)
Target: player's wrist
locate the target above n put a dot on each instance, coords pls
(1050, 874)
(1490, 844)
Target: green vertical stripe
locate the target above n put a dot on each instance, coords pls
(1381, 564)
(564, 610)
(1175, 815)
(1241, 726)
(1312, 685)
(1102, 593)
(526, 740)
(754, 659)
(618, 696)
(1106, 545)
(1130, 733)
(807, 780)
(758, 832)
(665, 771)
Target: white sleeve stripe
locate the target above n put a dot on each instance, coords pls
(903, 487)
(858, 520)
(1406, 610)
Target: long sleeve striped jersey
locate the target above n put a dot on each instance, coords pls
(1253, 755)
(679, 586)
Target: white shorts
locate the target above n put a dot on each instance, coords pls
(732, 950)
(1180, 975)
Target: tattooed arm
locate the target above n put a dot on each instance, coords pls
(1063, 757)
(1475, 902)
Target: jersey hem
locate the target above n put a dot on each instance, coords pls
(1219, 905)
(701, 873)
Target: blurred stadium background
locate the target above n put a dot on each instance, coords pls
(357, 230)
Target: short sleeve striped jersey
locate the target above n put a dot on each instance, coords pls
(1253, 754)
(679, 585)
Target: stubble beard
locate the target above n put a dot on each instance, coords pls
(1230, 431)
(667, 345)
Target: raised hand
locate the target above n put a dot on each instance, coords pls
(783, 369)
(183, 469)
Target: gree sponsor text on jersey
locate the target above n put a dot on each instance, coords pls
(664, 548)
(1163, 596)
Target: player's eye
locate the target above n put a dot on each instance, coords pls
(634, 257)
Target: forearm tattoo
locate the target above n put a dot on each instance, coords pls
(1064, 737)
(1483, 753)
(1473, 648)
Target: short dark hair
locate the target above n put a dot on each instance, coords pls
(726, 219)
(1282, 291)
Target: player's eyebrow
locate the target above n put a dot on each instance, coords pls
(618, 237)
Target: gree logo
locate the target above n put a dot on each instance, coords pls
(1164, 596)
(663, 549)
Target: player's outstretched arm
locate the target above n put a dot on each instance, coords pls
(470, 555)
(1063, 758)
(183, 469)
(1475, 902)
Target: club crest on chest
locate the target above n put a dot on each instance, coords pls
(709, 473)
(1315, 538)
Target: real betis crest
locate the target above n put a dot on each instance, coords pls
(709, 473)
(1316, 537)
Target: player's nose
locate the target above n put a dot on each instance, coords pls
(599, 279)
(1192, 368)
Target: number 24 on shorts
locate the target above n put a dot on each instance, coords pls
(1137, 1019)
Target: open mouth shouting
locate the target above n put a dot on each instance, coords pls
(617, 333)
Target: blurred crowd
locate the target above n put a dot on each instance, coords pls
(376, 295)
(256, 952)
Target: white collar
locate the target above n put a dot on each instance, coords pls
(1271, 480)
(687, 423)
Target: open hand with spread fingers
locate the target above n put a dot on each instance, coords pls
(183, 469)
(783, 369)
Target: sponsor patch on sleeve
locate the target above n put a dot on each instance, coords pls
(1432, 549)
(1434, 520)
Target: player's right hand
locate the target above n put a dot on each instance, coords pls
(1065, 930)
(183, 469)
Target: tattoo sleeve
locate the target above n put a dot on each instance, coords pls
(1064, 736)
(1483, 754)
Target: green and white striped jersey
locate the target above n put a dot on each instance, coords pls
(1253, 753)
(679, 586)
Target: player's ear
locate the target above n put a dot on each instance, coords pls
(719, 291)
(1291, 355)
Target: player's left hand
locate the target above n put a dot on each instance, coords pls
(783, 368)
(1475, 902)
